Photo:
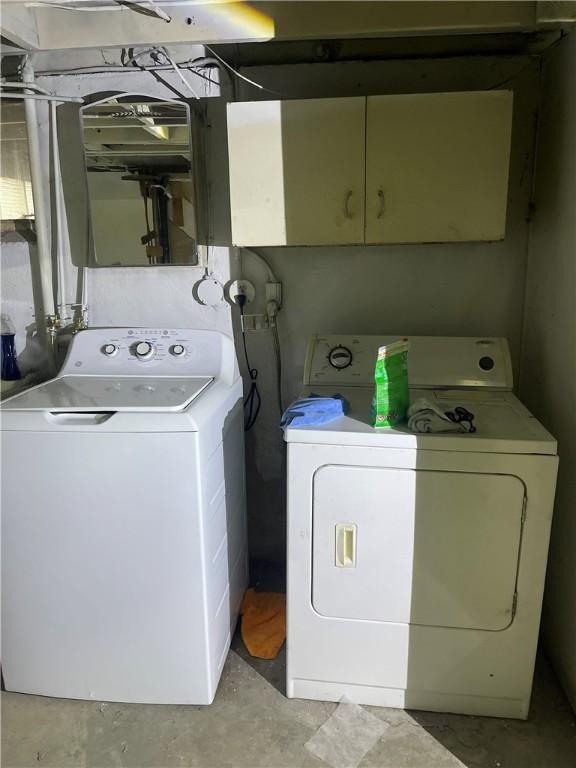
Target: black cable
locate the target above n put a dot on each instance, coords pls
(252, 401)
(278, 354)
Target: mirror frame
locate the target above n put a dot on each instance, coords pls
(76, 190)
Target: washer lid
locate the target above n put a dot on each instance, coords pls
(110, 393)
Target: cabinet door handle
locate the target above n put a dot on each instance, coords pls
(347, 212)
(381, 203)
(345, 555)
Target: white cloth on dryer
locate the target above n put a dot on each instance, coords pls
(424, 416)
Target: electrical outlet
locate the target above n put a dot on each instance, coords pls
(274, 293)
(255, 323)
(240, 287)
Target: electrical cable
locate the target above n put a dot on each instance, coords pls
(99, 70)
(238, 74)
(252, 401)
(133, 57)
(273, 325)
(146, 215)
(179, 73)
(264, 260)
(278, 354)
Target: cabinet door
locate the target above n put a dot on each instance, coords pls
(437, 166)
(297, 171)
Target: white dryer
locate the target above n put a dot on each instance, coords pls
(416, 563)
(123, 519)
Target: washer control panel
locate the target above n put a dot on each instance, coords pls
(145, 352)
(145, 345)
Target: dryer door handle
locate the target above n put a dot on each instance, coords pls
(345, 555)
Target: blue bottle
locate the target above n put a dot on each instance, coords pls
(10, 370)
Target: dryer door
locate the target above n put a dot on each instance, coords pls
(416, 546)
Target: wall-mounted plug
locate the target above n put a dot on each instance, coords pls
(240, 288)
(274, 293)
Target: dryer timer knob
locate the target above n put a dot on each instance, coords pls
(340, 357)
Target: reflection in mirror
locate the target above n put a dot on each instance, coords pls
(140, 186)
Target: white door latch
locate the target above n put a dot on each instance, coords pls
(345, 556)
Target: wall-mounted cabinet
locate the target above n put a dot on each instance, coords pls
(297, 171)
(384, 169)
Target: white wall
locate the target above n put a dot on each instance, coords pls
(18, 284)
(156, 296)
(548, 366)
(454, 289)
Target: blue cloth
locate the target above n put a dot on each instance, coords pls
(313, 410)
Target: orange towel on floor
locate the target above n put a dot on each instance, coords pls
(263, 625)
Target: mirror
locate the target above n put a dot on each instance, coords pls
(141, 196)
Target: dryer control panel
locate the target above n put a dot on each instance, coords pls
(433, 361)
(150, 352)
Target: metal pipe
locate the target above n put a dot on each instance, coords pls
(57, 227)
(30, 87)
(39, 97)
(40, 213)
(98, 69)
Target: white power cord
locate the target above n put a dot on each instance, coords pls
(164, 52)
(178, 71)
(235, 72)
(271, 276)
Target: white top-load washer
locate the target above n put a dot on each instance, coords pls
(123, 519)
(416, 562)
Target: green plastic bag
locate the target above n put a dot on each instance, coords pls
(391, 396)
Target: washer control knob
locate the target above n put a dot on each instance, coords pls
(340, 357)
(144, 350)
(109, 349)
(177, 350)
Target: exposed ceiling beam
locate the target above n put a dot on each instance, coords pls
(18, 26)
(219, 21)
(45, 26)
